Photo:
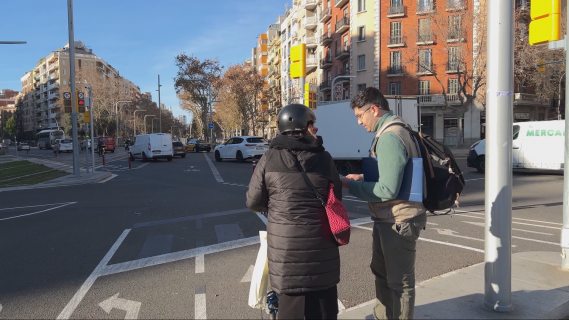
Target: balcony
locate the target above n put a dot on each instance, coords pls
(396, 11)
(325, 15)
(53, 85)
(343, 25)
(425, 38)
(340, 3)
(51, 105)
(395, 71)
(52, 67)
(529, 99)
(424, 68)
(326, 63)
(342, 52)
(311, 63)
(310, 4)
(454, 67)
(425, 6)
(283, 37)
(455, 36)
(52, 115)
(325, 85)
(310, 23)
(293, 35)
(54, 76)
(311, 42)
(455, 5)
(396, 41)
(326, 38)
(438, 99)
(52, 96)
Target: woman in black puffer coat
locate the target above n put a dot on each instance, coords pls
(304, 260)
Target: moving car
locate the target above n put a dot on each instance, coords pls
(152, 146)
(63, 145)
(23, 146)
(198, 145)
(536, 145)
(179, 149)
(241, 148)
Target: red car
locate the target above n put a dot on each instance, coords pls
(108, 141)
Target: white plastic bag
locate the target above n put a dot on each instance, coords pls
(260, 278)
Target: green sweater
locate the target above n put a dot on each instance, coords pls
(392, 158)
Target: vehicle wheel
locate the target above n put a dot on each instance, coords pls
(144, 158)
(183, 156)
(169, 158)
(131, 157)
(239, 157)
(481, 164)
(343, 168)
(208, 151)
(218, 157)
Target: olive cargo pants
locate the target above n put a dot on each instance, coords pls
(393, 264)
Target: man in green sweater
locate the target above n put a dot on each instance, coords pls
(397, 223)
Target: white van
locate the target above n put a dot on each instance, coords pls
(152, 146)
(537, 145)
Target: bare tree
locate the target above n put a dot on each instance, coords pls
(465, 59)
(193, 94)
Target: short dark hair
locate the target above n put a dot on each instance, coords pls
(370, 95)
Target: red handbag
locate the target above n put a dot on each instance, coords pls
(335, 210)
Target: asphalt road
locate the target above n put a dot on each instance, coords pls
(175, 240)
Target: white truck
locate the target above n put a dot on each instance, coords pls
(349, 142)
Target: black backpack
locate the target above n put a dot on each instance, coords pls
(444, 178)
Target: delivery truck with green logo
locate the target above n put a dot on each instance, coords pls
(537, 145)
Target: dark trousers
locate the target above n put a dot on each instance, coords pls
(309, 305)
(393, 264)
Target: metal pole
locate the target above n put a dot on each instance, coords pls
(210, 113)
(76, 169)
(498, 187)
(148, 115)
(91, 125)
(86, 152)
(159, 106)
(302, 82)
(565, 230)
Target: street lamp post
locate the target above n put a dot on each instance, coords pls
(153, 124)
(134, 113)
(148, 115)
(117, 114)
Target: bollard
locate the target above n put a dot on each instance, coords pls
(129, 164)
(54, 153)
(103, 158)
(254, 162)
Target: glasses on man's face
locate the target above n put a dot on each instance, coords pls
(359, 116)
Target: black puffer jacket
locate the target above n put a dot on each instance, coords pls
(303, 255)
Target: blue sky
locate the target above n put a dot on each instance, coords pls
(138, 38)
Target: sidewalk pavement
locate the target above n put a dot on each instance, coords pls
(540, 290)
(462, 152)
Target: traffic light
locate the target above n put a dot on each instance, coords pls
(80, 102)
(298, 61)
(541, 67)
(310, 96)
(546, 24)
(67, 102)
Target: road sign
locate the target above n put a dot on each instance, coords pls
(67, 95)
(211, 125)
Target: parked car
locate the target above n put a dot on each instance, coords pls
(179, 149)
(152, 146)
(63, 145)
(23, 146)
(241, 148)
(198, 145)
(108, 141)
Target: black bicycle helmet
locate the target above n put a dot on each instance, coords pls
(295, 117)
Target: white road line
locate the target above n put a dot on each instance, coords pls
(213, 169)
(475, 179)
(481, 224)
(29, 214)
(525, 224)
(176, 256)
(200, 303)
(200, 258)
(262, 217)
(80, 294)
(535, 240)
(438, 242)
(432, 223)
(140, 166)
(341, 307)
(109, 178)
(521, 219)
(39, 205)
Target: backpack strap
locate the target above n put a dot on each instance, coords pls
(389, 127)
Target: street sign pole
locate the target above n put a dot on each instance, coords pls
(76, 168)
(498, 187)
(565, 230)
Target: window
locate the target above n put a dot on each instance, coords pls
(453, 58)
(425, 29)
(64, 72)
(346, 12)
(396, 3)
(425, 60)
(395, 62)
(346, 67)
(362, 62)
(361, 33)
(395, 32)
(63, 62)
(453, 86)
(361, 87)
(64, 82)
(92, 64)
(264, 41)
(394, 88)
(361, 5)
(516, 132)
(424, 87)
(329, 75)
(454, 27)
(345, 40)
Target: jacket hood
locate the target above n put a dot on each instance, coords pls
(307, 148)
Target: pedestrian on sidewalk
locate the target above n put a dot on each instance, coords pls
(304, 260)
(397, 223)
